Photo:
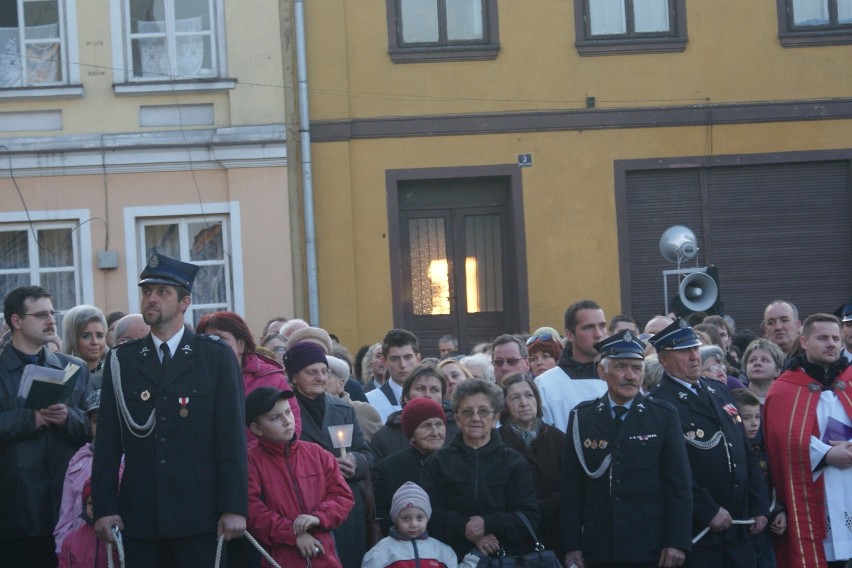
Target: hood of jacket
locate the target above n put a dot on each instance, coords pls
(575, 369)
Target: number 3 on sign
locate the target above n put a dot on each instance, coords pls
(524, 160)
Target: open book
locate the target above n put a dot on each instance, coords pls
(43, 386)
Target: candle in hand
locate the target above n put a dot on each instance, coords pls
(341, 437)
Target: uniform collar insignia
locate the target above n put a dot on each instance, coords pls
(682, 395)
(711, 389)
(682, 324)
(144, 351)
(186, 349)
(642, 437)
(600, 406)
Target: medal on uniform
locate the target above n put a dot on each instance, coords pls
(690, 435)
(145, 396)
(184, 400)
(699, 433)
(587, 443)
(594, 444)
(603, 444)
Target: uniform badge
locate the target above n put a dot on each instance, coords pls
(186, 349)
(641, 407)
(681, 323)
(711, 389)
(144, 351)
(594, 444)
(814, 387)
(145, 396)
(183, 401)
(689, 435)
(587, 443)
(839, 385)
(154, 261)
(682, 395)
(699, 433)
(603, 444)
(628, 337)
(732, 412)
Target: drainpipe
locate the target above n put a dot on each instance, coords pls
(307, 175)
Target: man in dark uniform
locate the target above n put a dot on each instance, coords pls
(173, 405)
(728, 489)
(626, 497)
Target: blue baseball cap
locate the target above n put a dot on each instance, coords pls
(164, 270)
(623, 345)
(676, 336)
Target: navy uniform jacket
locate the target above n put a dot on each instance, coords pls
(33, 462)
(178, 480)
(643, 502)
(739, 488)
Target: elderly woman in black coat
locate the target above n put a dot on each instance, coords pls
(477, 484)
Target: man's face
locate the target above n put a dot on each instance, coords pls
(621, 325)
(591, 328)
(38, 324)
(445, 348)
(726, 337)
(623, 378)
(846, 332)
(401, 361)
(684, 364)
(160, 304)
(822, 344)
(506, 359)
(780, 325)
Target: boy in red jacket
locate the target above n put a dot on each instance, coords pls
(297, 494)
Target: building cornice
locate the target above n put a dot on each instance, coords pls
(173, 150)
(583, 119)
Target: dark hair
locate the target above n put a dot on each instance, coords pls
(571, 312)
(507, 338)
(13, 303)
(744, 397)
(420, 371)
(695, 318)
(358, 365)
(712, 332)
(621, 318)
(719, 321)
(113, 317)
(513, 379)
(233, 324)
(808, 324)
(399, 338)
(449, 339)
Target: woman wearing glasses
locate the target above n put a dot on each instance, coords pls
(477, 484)
(307, 367)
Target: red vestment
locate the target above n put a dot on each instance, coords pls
(790, 419)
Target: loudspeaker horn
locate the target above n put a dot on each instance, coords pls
(698, 291)
(678, 243)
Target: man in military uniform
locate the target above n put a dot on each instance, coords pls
(173, 405)
(626, 491)
(728, 489)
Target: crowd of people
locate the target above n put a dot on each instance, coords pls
(684, 442)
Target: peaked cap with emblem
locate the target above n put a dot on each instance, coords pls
(676, 336)
(622, 345)
(164, 270)
(844, 312)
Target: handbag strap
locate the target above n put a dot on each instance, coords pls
(538, 546)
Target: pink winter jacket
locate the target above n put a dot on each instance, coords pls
(261, 371)
(82, 548)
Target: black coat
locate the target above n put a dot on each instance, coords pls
(492, 482)
(642, 503)
(390, 474)
(740, 488)
(545, 457)
(33, 462)
(351, 536)
(389, 438)
(178, 480)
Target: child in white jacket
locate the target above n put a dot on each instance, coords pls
(408, 545)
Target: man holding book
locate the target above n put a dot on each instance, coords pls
(35, 444)
(172, 403)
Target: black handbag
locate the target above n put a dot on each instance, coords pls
(539, 558)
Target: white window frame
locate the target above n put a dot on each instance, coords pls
(68, 218)
(69, 85)
(126, 83)
(136, 218)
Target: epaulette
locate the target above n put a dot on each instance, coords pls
(213, 338)
(128, 342)
(586, 403)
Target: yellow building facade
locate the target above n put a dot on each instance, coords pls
(480, 165)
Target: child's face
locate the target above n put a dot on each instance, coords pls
(751, 419)
(411, 522)
(89, 512)
(277, 425)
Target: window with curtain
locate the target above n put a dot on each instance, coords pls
(442, 29)
(814, 22)
(44, 254)
(171, 39)
(203, 242)
(622, 26)
(32, 43)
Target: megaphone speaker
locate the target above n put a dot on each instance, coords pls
(698, 292)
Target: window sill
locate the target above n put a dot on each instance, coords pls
(169, 87)
(444, 53)
(629, 46)
(815, 38)
(51, 92)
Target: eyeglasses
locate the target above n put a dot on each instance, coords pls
(543, 337)
(279, 349)
(511, 362)
(469, 413)
(43, 315)
(713, 368)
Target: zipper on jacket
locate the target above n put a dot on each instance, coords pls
(298, 489)
(416, 553)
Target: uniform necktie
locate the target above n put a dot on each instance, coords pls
(620, 411)
(167, 355)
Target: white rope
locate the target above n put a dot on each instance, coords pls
(144, 429)
(578, 448)
(119, 544)
(707, 529)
